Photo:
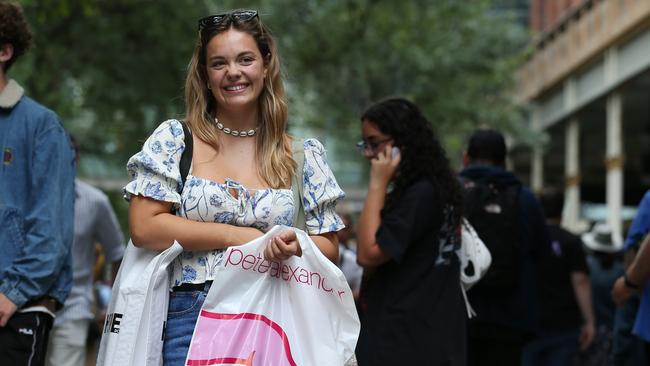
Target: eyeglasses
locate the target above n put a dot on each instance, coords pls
(365, 145)
(237, 16)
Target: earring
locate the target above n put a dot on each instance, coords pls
(208, 85)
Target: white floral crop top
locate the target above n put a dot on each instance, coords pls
(155, 174)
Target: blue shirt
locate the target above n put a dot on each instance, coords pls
(640, 227)
(36, 200)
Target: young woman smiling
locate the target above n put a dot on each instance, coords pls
(239, 184)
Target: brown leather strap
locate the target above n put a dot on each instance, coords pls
(48, 302)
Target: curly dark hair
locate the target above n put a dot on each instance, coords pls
(422, 155)
(14, 30)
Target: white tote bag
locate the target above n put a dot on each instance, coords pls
(296, 312)
(137, 311)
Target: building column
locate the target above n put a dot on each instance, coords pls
(614, 161)
(571, 213)
(537, 163)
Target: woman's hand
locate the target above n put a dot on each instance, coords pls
(383, 167)
(283, 246)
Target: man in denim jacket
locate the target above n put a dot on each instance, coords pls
(36, 207)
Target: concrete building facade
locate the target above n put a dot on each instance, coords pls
(587, 84)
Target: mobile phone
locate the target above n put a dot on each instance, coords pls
(394, 152)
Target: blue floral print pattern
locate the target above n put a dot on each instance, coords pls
(153, 190)
(189, 274)
(154, 172)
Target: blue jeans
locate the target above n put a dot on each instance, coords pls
(552, 349)
(182, 314)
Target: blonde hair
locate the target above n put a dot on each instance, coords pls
(275, 163)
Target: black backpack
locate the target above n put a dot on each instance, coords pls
(492, 208)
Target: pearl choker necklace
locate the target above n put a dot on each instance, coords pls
(233, 132)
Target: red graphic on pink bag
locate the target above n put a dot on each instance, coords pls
(239, 339)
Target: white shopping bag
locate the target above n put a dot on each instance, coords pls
(295, 312)
(475, 260)
(137, 311)
(474, 254)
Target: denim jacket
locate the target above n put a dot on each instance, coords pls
(36, 200)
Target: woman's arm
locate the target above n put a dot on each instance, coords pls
(328, 243)
(320, 192)
(369, 253)
(154, 227)
(382, 169)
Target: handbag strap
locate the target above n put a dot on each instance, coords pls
(299, 218)
(186, 159)
(186, 156)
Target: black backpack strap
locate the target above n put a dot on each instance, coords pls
(186, 157)
(491, 205)
(299, 218)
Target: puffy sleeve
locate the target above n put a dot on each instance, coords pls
(154, 171)
(321, 193)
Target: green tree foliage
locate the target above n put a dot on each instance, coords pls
(111, 69)
(456, 59)
(114, 69)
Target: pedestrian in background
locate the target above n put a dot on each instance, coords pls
(94, 222)
(348, 256)
(567, 324)
(36, 207)
(603, 248)
(631, 292)
(509, 220)
(413, 312)
(633, 281)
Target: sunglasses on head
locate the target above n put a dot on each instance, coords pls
(237, 16)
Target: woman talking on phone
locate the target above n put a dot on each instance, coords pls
(240, 181)
(412, 307)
